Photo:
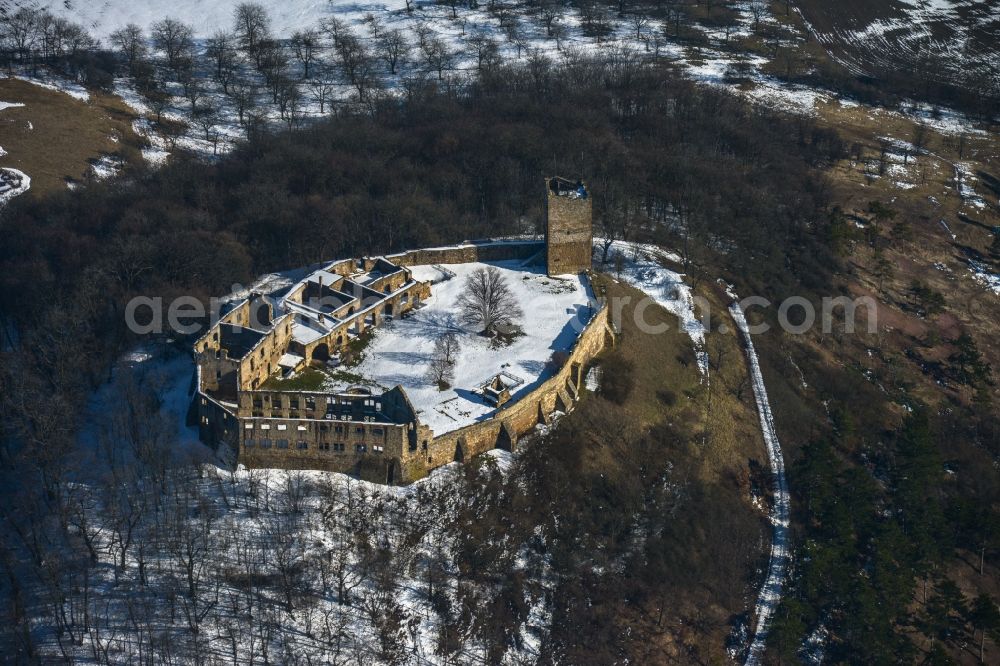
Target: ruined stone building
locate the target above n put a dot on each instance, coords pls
(374, 434)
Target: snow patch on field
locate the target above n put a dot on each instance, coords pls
(52, 82)
(984, 275)
(642, 268)
(963, 183)
(13, 182)
(107, 166)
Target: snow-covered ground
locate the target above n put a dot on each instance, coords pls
(13, 182)
(103, 17)
(964, 180)
(106, 166)
(908, 26)
(49, 81)
(555, 312)
(304, 540)
(984, 275)
(518, 36)
(642, 268)
(770, 592)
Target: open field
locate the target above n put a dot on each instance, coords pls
(55, 138)
(871, 36)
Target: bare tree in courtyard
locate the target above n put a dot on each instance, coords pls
(442, 367)
(488, 302)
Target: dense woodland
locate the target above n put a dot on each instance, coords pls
(737, 190)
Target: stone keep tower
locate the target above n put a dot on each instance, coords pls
(569, 233)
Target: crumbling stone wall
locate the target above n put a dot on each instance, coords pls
(469, 252)
(515, 419)
(260, 363)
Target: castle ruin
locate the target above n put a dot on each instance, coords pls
(374, 434)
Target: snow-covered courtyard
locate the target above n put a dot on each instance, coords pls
(555, 311)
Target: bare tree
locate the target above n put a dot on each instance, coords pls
(505, 14)
(20, 29)
(757, 9)
(206, 117)
(393, 49)
(289, 101)
(158, 100)
(221, 50)
(194, 87)
(488, 302)
(253, 26)
(559, 32)
(437, 55)
(921, 134)
(243, 95)
(131, 43)
(442, 366)
(322, 92)
(374, 24)
(550, 12)
(639, 22)
(485, 48)
(285, 554)
(273, 65)
(305, 45)
(335, 28)
(175, 39)
(357, 64)
(451, 4)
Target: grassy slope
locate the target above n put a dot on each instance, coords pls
(724, 437)
(67, 134)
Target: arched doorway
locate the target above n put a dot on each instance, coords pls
(459, 453)
(505, 441)
(392, 473)
(321, 353)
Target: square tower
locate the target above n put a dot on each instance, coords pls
(569, 232)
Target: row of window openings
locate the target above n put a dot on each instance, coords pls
(337, 447)
(310, 403)
(360, 431)
(329, 416)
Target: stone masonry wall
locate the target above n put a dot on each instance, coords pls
(569, 233)
(469, 252)
(519, 417)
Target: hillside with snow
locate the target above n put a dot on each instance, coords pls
(102, 17)
(938, 40)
